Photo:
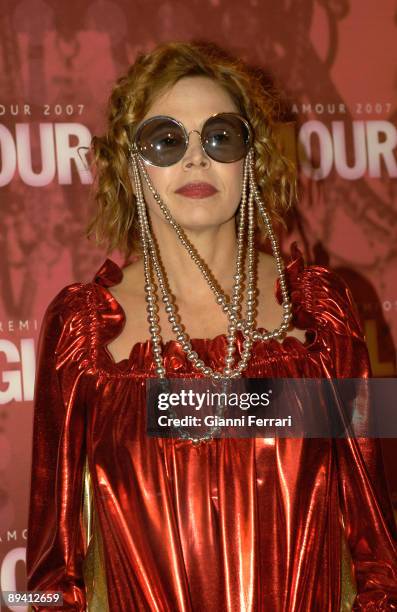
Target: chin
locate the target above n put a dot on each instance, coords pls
(200, 220)
(195, 215)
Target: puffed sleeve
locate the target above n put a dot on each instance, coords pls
(55, 545)
(364, 496)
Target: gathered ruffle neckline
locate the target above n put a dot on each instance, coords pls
(112, 319)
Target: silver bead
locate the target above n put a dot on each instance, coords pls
(153, 308)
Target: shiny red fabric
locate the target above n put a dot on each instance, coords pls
(234, 524)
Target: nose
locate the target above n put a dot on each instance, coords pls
(195, 154)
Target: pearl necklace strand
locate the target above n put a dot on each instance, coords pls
(231, 306)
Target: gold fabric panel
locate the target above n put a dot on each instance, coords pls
(348, 582)
(94, 562)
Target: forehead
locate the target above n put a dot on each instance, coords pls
(192, 99)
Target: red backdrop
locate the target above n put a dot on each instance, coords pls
(333, 59)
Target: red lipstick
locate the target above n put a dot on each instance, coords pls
(197, 190)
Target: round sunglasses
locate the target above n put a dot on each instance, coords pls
(163, 140)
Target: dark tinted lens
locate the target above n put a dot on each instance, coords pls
(161, 141)
(225, 138)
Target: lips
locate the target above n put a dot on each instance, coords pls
(197, 190)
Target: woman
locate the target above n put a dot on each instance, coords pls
(210, 523)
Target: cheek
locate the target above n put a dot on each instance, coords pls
(155, 175)
(233, 180)
(158, 179)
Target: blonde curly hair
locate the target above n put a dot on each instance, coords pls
(115, 223)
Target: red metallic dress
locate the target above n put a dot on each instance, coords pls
(120, 521)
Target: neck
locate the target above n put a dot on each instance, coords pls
(217, 248)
